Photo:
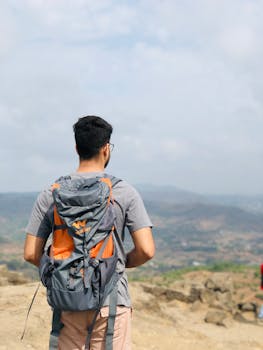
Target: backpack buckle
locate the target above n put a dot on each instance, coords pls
(51, 268)
(94, 263)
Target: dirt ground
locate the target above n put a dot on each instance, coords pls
(162, 326)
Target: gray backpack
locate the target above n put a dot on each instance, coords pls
(79, 268)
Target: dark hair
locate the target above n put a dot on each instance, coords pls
(91, 133)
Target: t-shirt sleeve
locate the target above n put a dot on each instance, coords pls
(40, 222)
(136, 214)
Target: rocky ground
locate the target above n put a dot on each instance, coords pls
(202, 311)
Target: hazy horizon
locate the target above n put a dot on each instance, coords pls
(156, 187)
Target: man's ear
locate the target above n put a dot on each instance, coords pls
(104, 149)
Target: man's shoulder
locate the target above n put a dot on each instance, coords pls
(121, 188)
(125, 192)
(122, 185)
(45, 198)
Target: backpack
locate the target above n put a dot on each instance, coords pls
(79, 268)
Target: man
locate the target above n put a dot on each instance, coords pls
(92, 136)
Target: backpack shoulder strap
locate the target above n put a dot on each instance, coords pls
(114, 180)
(111, 318)
(63, 178)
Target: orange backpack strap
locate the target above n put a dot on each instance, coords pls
(111, 181)
(62, 244)
(109, 248)
(107, 181)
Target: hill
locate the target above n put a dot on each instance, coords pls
(187, 314)
(193, 229)
(189, 229)
(15, 209)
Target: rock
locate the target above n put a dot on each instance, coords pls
(216, 317)
(11, 277)
(227, 322)
(224, 300)
(238, 316)
(187, 294)
(217, 299)
(210, 284)
(218, 292)
(207, 296)
(219, 282)
(248, 307)
(195, 293)
(196, 306)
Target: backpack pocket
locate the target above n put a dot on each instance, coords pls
(76, 284)
(45, 269)
(104, 278)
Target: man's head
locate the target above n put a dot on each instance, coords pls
(91, 135)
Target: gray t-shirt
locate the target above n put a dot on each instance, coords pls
(130, 213)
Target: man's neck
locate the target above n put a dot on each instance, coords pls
(90, 166)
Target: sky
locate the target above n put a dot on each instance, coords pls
(180, 81)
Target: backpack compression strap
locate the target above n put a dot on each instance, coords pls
(57, 325)
(110, 323)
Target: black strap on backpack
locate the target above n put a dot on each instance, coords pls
(112, 309)
(110, 323)
(111, 318)
(57, 325)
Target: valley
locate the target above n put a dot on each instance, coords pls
(189, 230)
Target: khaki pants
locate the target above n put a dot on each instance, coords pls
(74, 333)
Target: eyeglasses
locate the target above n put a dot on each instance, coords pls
(111, 146)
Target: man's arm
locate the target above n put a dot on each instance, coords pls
(33, 249)
(144, 247)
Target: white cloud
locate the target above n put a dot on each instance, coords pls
(180, 81)
(240, 43)
(8, 32)
(174, 148)
(78, 21)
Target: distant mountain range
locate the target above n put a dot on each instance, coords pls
(21, 203)
(175, 195)
(169, 194)
(16, 204)
(189, 227)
